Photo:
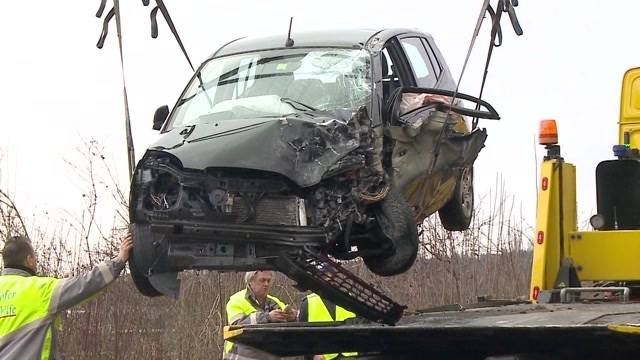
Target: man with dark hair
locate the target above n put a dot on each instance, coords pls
(30, 305)
(17, 250)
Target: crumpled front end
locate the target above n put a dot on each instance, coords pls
(281, 184)
(287, 171)
(248, 199)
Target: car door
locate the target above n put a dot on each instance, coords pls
(425, 181)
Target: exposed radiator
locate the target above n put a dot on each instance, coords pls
(269, 210)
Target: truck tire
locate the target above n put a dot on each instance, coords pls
(397, 227)
(141, 257)
(456, 214)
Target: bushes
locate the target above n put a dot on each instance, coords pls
(491, 258)
(122, 324)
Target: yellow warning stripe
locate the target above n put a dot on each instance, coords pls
(625, 328)
(228, 333)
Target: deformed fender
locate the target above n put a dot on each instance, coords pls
(461, 151)
(422, 150)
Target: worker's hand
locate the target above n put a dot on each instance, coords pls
(125, 247)
(318, 357)
(277, 316)
(291, 314)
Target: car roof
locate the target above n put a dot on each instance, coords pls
(347, 38)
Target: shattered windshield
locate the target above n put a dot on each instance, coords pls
(276, 83)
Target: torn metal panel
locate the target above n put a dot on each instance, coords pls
(428, 193)
(430, 147)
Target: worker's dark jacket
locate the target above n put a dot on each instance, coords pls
(30, 306)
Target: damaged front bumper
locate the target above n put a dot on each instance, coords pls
(215, 220)
(293, 251)
(165, 248)
(232, 247)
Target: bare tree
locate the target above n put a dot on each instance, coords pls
(11, 222)
(491, 258)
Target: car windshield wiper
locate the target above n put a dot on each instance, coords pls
(203, 90)
(293, 103)
(199, 76)
(184, 100)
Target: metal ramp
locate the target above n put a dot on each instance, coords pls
(533, 331)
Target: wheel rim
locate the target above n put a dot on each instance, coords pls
(466, 191)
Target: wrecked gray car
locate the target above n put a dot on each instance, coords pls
(332, 143)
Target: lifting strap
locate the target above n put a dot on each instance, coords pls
(172, 27)
(115, 12)
(496, 33)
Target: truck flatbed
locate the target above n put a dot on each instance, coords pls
(566, 331)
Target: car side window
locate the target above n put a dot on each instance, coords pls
(432, 56)
(416, 54)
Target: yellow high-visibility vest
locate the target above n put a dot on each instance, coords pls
(239, 306)
(318, 312)
(24, 300)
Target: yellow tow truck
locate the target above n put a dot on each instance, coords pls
(565, 257)
(584, 284)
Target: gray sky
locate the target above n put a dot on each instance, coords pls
(58, 88)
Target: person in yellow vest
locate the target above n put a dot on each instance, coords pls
(314, 308)
(254, 305)
(30, 305)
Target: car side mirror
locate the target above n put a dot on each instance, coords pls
(160, 116)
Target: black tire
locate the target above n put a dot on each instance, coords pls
(456, 214)
(140, 259)
(397, 227)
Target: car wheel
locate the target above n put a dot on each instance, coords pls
(141, 259)
(456, 214)
(397, 227)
